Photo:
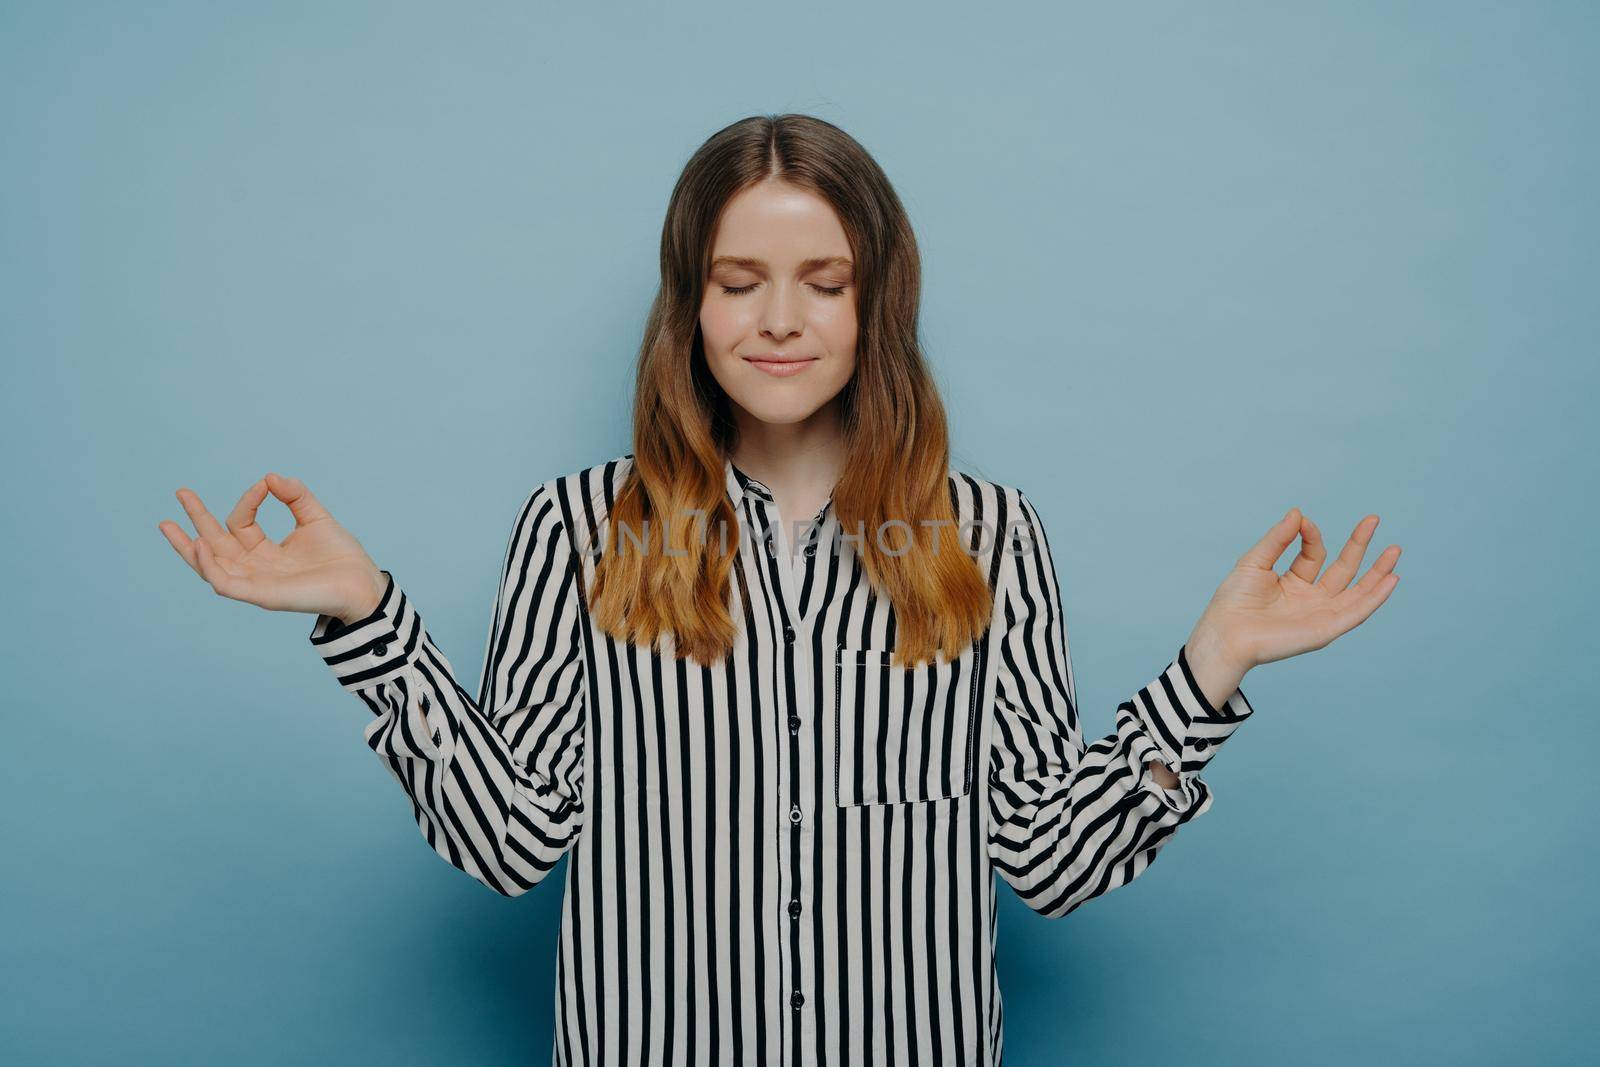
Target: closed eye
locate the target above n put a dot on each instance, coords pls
(837, 290)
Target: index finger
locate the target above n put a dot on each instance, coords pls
(242, 519)
(300, 501)
(1265, 552)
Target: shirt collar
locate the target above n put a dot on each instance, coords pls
(741, 484)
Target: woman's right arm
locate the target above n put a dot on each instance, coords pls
(496, 780)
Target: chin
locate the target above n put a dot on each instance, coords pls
(779, 411)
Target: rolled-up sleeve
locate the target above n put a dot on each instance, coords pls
(496, 781)
(1069, 821)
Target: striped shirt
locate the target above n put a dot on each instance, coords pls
(788, 857)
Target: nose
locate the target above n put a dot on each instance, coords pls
(780, 315)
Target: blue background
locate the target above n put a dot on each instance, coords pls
(1186, 265)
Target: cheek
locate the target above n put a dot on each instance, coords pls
(844, 370)
(721, 325)
(840, 329)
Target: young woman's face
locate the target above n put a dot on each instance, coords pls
(782, 287)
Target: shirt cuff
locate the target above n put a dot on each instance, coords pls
(1187, 730)
(372, 650)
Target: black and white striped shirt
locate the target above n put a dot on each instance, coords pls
(757, 876)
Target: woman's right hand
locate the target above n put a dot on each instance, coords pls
(319, 568)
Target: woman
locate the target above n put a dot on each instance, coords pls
(787, 687)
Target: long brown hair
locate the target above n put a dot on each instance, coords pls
(896, 439)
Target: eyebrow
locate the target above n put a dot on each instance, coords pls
(751, 263)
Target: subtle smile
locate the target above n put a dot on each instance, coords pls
(780, 368)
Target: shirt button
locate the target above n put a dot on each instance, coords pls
(796, 999)
(794, 907)
(794, 724)
(788, 634)
(1201, 745)
(811, 550)
(794, 814)
(379, 649)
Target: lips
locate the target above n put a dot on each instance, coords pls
(780, 366)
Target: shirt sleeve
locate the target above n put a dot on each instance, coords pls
(496, 782)
(1067, 822)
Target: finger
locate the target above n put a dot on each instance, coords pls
(1265, 552)
(213, 570)
(1312, 551)
(302, 504)
(1344, 568)
(1371, 601)
(206, 526)
(1377, 572)
(242, 519)
(206, 562)
(181, 542)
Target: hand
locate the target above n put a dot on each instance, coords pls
(319, 568)
(1259, 616)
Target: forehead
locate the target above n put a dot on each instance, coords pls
(779, 225)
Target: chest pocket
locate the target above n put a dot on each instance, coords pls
(903, 733)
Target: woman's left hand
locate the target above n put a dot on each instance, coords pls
(1259, 616)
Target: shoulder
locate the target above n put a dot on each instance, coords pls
(982, 500)
(575, 500)
(589, 488)
(997, 519)
(582, 498)
(1005, 516)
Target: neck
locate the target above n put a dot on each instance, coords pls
(795, 460)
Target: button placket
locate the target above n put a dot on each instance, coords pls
(794, 652)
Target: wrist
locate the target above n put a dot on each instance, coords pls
(1218, 668)
(378, 586)
(1211, 642)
